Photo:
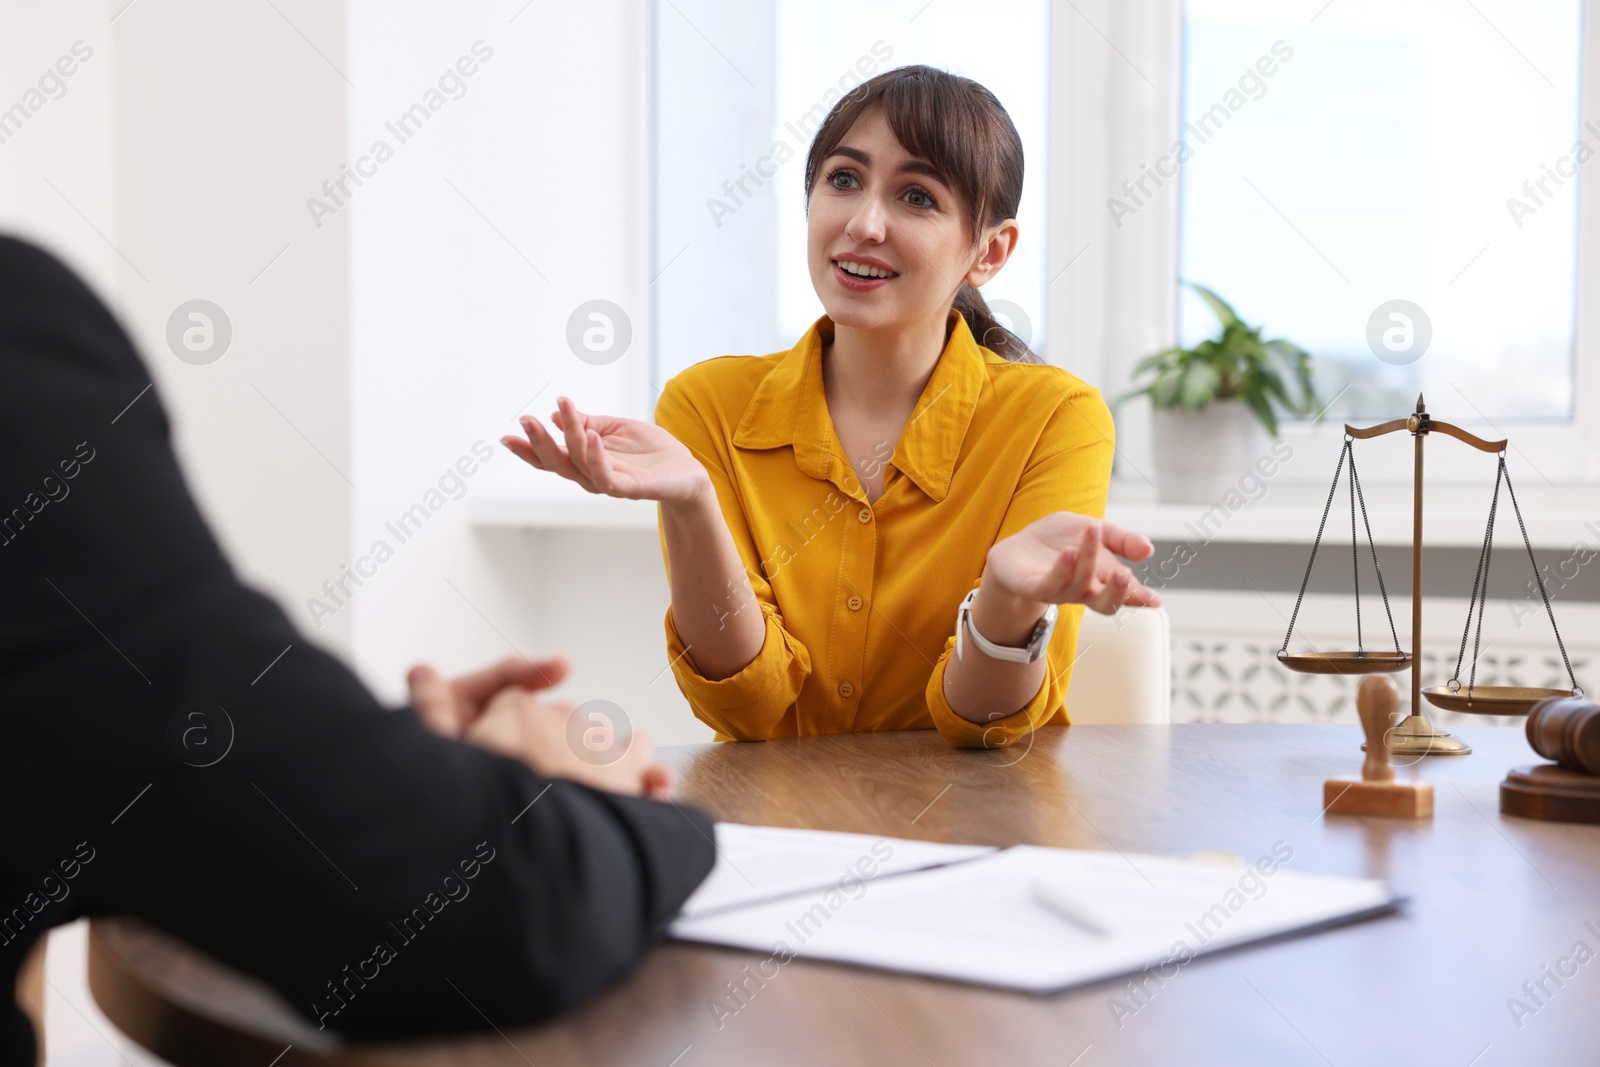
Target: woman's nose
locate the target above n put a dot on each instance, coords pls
(868, 223)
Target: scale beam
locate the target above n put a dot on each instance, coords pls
(1467, 438)
(1420, 423)
(1376, 431)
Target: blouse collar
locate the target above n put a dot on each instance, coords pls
(790, 407)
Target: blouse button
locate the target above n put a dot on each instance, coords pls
(855, 603)
(865, 515)
(847, 690)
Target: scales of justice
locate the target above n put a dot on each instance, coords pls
(1415, 734)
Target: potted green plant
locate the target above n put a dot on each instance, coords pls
(1216, 405)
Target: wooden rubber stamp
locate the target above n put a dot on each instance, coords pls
(1376, 792)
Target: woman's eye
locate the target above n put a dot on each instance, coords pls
(917, 197)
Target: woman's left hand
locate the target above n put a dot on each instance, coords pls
(1065, 558)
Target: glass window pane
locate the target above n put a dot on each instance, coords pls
(1389, 152)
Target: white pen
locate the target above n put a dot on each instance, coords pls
(1063, 907)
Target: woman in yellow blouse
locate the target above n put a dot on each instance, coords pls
(825, 510)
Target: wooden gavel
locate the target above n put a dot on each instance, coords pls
(1567, 730)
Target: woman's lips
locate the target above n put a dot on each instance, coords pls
(856, 284)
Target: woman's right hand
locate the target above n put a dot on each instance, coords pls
(613, 457)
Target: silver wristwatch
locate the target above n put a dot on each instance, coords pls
(1027, 654)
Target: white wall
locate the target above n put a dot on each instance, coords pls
(227, 117)
(470, 248)
(68, 142)
(173, 168)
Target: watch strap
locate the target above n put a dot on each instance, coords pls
(1029, 653)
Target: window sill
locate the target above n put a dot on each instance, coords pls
(584, 512)
(1557, 517)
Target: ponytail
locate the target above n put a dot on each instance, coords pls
(987, 331)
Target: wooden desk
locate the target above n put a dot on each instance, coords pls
(1495, 900)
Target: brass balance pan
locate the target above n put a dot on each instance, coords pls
(1345, 662)
(1490, 699)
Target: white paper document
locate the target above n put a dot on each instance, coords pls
(761, 863)
(1042, 919)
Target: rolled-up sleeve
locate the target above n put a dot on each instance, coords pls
(1070, 470)
(749, 704)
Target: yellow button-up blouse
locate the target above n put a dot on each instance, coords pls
(860, 598)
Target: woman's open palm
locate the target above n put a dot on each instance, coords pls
(1065, 558)
(611, 456)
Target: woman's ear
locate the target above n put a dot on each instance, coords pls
(996, 246)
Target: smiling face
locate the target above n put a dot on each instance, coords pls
(888, 241)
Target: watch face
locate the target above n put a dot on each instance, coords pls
(1041, 633)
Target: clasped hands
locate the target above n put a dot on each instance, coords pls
(495, 709)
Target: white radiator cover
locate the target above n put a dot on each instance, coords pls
(1224, 646)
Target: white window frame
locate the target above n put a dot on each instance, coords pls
(1114, 294)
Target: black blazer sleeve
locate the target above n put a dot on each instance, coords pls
(388, 882)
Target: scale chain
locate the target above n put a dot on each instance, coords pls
(1488, 558)
(1355, 553)
(1537, 577)
(1365, 521)
(1480, 579)
(1358, 498)
(1332, 489)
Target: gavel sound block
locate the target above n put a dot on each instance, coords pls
(1376, 792)
(1567, 731)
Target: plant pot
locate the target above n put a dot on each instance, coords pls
(1201, 455)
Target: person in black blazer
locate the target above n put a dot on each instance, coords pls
(391, 873)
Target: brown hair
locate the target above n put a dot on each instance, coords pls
(958, 126)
